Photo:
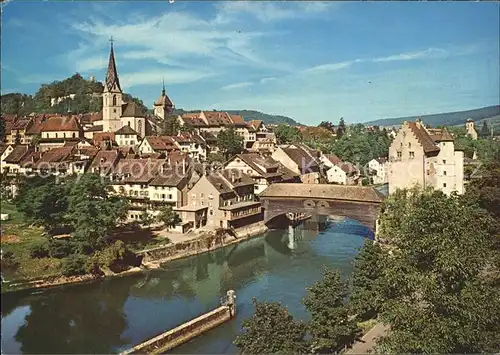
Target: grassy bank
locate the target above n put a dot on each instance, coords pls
(17, 238)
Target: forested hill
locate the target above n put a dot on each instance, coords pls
(252, 115)
(447, 118)
(87, 98)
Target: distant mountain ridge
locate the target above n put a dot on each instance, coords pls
(447, 118)
(250, 115)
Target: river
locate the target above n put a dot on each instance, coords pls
(112, 315)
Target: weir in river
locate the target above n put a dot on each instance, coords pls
(113, 315)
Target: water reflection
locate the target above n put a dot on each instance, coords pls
(108, 316)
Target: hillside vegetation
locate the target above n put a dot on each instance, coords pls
(447, 118)
(87, 98)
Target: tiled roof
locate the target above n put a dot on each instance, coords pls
(193, 119)
(18, 153)
(130, 109)
(238, 120)
(58, 124)
(348, 168)
(445, 135)
(55, 155)
(30, 159)
(338, 192)
(161, 143)
(332, 158)
(223, 180)
(423, 137)
(90, 118)
(259, 163)
(301, 157)
(216, 118)
(126, 130)
(164, 100)
(105, 158)
(255, 124)
(103, 136)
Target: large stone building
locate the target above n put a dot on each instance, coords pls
(418, 157)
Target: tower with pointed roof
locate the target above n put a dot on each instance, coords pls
(112, 97)
(163, 106)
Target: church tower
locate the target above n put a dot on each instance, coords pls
(112, 97)
(163, 107)
(469, 126)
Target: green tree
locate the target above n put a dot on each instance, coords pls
(93, 210)
(171, 126)
(2, 129)
(341, 128)
(286, 134)
(485, 130)
(147, 219)
(365, 299)
(215, 158)
(436, 298)
(229, 142)
(42, 201)
(272, 330)
(327, 125)
(168, 217)
(330, 326)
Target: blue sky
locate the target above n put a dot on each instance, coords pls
(312, 61)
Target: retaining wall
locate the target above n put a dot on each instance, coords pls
(182, 333)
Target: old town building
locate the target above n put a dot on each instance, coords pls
(418, 157)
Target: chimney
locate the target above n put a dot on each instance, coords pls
(184, 166)
(233, 177)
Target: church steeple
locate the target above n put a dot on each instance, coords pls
(163, 90)
(112, 81)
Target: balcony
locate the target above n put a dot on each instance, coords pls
(241, 210)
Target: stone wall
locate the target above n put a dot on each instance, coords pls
(183, 333)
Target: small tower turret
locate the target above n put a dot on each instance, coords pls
(163, 106)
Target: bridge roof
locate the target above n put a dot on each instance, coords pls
(327, 191)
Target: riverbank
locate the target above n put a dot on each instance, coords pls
(152, 259)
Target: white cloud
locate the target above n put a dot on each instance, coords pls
(267, 80)
(331, 67)
(428, 53)
(237, 85)
(267, 11)
(148, 77)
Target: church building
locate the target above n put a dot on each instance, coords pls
(115, 112)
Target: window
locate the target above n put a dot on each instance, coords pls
(169, 196)
(409, 145)
(444, 184)
(412, 155)
(74, 134)
(114, 101)
(444, 161)
(201, 195)
(56, 135)
(400, 154)
(444, 173)
(401, 144)
(194, 196)
(211, 212)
